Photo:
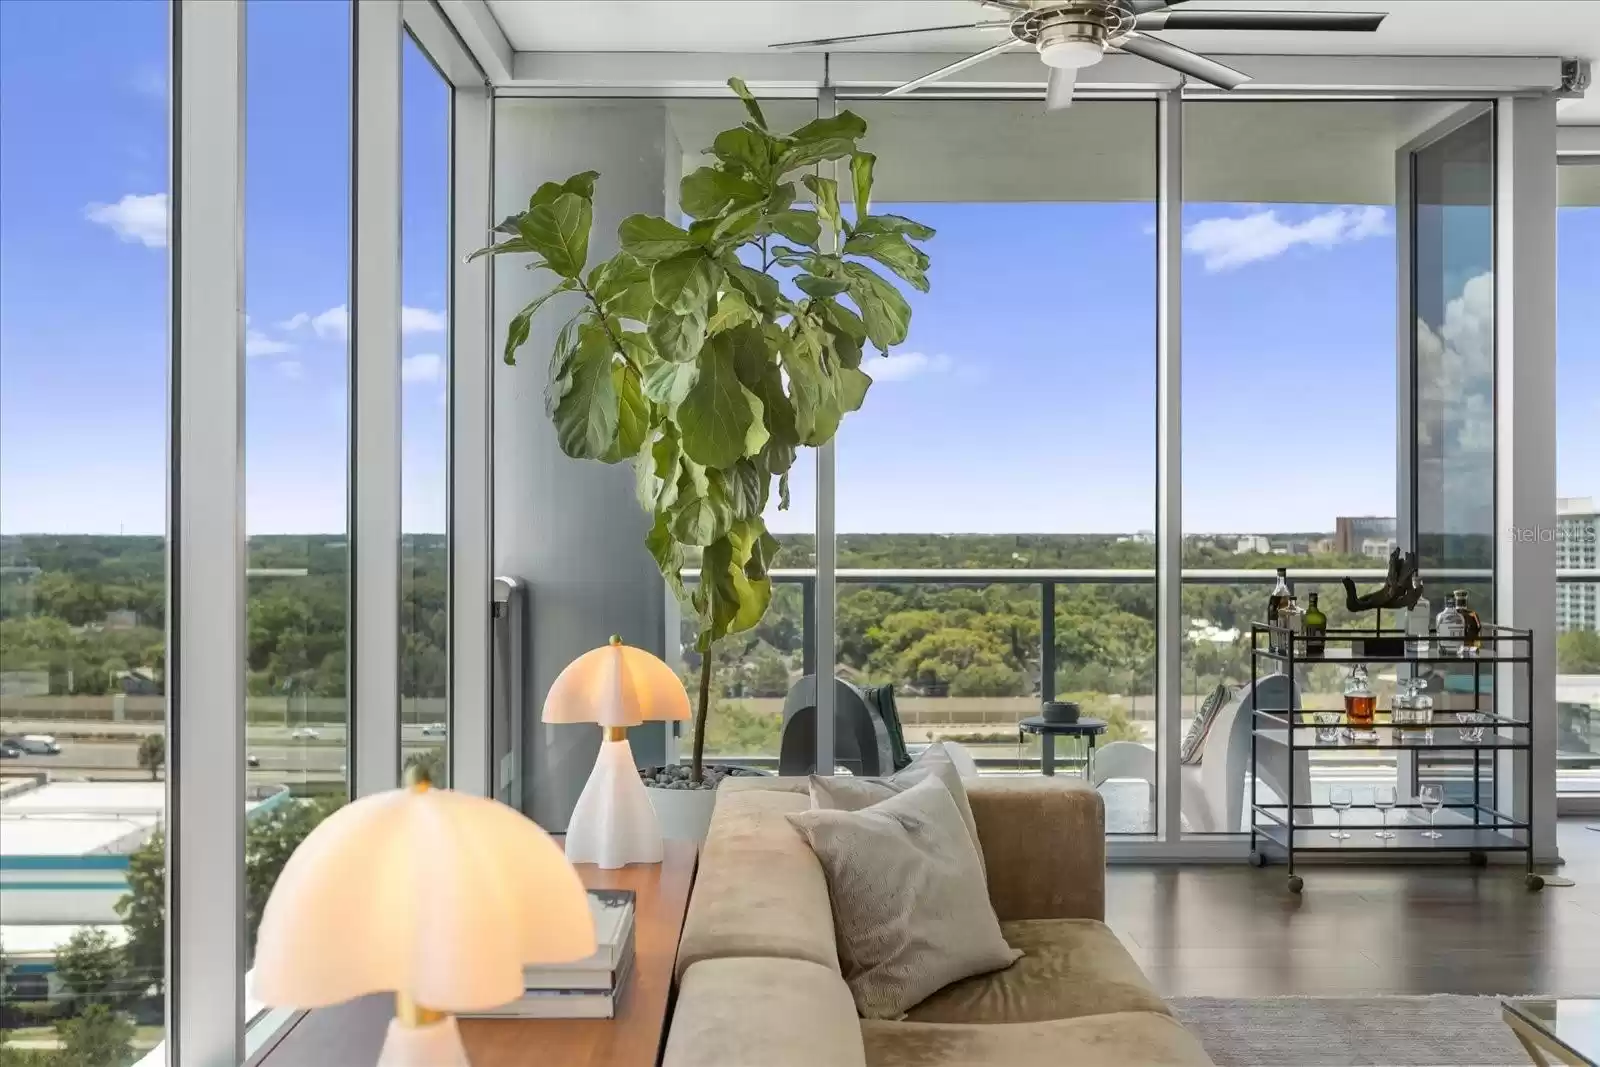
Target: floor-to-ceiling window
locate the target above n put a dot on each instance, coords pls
(1578, 478)
(297, 268)
(84, 300)
(424, 390)
(1014, 430)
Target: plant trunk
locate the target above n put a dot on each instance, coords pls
(697, 766)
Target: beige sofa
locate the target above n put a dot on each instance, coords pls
(758, 969)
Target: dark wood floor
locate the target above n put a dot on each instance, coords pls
(1235, 932)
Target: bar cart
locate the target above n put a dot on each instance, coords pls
(1287, 826)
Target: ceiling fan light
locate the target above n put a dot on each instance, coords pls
(1072, 45)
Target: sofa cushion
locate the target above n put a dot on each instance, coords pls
(1069, 968)
(759, 890)
(1044, 843)
(1122, 1039)
(849, 793)
(777, 1013)
(910, 907)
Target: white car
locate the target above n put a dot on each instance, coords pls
(303, 733)
(433, 729)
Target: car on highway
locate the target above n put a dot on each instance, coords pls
(10, 748)
(303, 733)
(39, 745)
(433, 729)
(252, 760)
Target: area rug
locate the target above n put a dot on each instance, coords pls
(1439, 1031)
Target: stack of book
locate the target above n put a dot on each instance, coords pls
(588, 988)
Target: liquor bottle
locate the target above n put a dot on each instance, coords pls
(1472, 625)
(1417, 623)
(1316, 626)
(1359, 700)
(1450, 627)
(1279, 600)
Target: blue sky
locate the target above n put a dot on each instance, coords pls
(998, 414)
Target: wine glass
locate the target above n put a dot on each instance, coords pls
(1431, 797)
(1340, 799)
(1383, 799)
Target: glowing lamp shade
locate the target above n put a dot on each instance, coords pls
(615, 686)
(436, 896)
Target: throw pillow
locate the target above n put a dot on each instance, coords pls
(846, 793)
(911, 907)
(1194, 742)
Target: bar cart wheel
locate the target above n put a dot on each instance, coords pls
(1296, 883)
(1535, 882)
(1478, 859)
(1257, 859)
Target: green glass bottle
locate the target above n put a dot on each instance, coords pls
(1316, 625)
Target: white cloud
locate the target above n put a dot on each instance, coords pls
(423, 367)
(291, 369)
(335, 323)
(296, 321)
(900, 366)
(257, 343)
(1227, 243)
(421, 320)
(134, 218)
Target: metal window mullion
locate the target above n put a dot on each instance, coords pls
(826, 588)
(206, 541)
(375, 397)
(470, 442)
(1169, 464)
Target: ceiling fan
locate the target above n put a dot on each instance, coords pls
(1072, 35)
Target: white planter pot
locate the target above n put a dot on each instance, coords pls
(684, 814)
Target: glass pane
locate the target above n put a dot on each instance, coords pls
(297, 265)
(424, 428)
(1578, 483)
(83, 432)
(1014, 429)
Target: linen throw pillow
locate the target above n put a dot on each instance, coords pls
(846, 793)
(911, 908)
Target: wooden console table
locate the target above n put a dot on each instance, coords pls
(351, 1034)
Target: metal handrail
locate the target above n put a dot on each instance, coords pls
(1122, 575)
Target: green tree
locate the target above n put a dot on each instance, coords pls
(152, 755)
(143, 909)
(269, 841)
(431, 760)
(99, 1037)
(1578, 652)
(93, 967)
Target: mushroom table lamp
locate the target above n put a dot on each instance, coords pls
(615, 686)
(439, 897)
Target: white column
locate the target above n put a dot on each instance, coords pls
(571, 529)
(1169, 462)
(374, 639)
(1525, 437)
(206, 542)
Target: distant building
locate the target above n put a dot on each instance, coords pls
(1252, 543)
(1378, 547)
(122, 619)
(1351, 533)
(1577, 548)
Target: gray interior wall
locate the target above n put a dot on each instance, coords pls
(572, 531)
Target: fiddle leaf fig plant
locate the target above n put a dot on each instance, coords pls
(692, 359)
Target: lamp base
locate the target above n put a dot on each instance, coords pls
(434, 1045)
(614, 823)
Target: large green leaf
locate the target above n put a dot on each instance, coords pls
(675, 337)
(755, 361)
(717, 416)
(705, 192)
(578, 185)
(739, 224)
(700, 513)
(825, 194)
(814, 391)
(811, 285)
(861, 165)
(668, 383)
(745, 486)
(801, 226)
(647, 238)
(823, 139)
(893, 224)
(586, 415)
(894, 252)
(745, 148)
(732, 310)
(622, 285)
(668, 555)
(853, 384)
(761, 289)
(517, 331)
(884, 311)
(558, 381)
(742, 91)
(560, 231)
(512, 246)
(633, 414)
(683, 284)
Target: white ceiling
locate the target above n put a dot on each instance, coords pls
(1567, 28)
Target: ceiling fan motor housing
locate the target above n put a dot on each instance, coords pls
(1075, 41)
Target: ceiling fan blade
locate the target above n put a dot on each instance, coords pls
(1183, 61)
(1058, 90)
(1003, 24)
(1186, 19)
(960, 64)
